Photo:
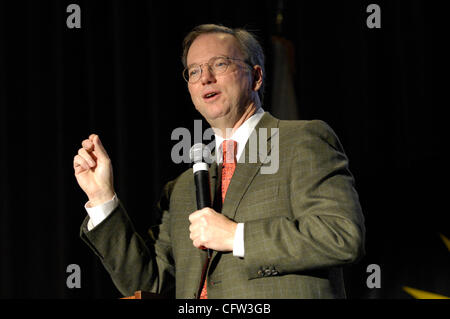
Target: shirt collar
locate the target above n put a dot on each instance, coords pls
(241, 135)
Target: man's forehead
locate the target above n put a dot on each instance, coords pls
(208, 45)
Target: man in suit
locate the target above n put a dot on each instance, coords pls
(285, 234)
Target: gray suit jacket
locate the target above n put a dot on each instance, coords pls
(302, 223)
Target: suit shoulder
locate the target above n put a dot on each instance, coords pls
(305, 125)
(184, 177)
(181, 179)
(302, 130)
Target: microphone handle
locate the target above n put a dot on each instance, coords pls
(203, 189)
(203, 192)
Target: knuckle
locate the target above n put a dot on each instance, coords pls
(78, 159)
(193, 216)
(88, 145)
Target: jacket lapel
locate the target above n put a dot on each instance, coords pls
(245, 169)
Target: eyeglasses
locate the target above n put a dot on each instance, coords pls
(217, 65)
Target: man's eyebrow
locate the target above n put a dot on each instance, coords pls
(216, 56)
(192, 65)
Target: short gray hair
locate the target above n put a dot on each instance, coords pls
(250, 47)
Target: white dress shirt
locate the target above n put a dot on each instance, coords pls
(98, 213)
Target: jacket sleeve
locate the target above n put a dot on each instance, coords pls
(326, 227)
(132, 262)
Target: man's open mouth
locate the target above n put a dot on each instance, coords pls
(210, 95)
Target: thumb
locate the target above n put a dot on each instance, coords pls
(99, 150)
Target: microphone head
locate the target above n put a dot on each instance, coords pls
(200, 153)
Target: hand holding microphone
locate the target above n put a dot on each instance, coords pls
(208, 229)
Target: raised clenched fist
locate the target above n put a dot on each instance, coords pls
(93, 171)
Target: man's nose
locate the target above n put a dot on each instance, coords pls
(207, 75)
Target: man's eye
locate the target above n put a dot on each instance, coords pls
(193, 72)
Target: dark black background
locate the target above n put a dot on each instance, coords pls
(120, 77)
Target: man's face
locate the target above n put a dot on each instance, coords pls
(232, 89)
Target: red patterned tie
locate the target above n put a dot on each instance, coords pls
(229, 148)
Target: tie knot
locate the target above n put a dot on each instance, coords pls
(229, 148)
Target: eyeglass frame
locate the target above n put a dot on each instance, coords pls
(210, 67)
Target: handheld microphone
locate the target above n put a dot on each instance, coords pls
(201, 177)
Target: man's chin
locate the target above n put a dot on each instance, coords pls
(212, 113)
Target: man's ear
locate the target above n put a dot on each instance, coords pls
(257, 74)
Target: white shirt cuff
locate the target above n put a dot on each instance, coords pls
(98, 213)
(238, 245)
